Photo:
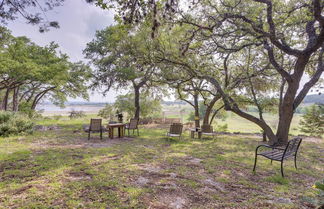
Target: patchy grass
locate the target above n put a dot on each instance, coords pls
(62, 169)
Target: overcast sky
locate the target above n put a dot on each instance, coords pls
(78, 23)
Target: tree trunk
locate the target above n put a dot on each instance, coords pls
(209, 109)
(15, 101)
(264, 136)
(4, 103)
(230, 105)
(196, 106)
(214, 114)
(286, 110)
(39, 96)
(137, 102)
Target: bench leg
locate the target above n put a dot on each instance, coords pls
(295, 161)
(255, 161)
(137, 132)
(101, 134)
(89, 135)
(282, 173)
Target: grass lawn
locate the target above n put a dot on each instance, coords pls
(62, 169)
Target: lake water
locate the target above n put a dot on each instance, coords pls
(50, 109)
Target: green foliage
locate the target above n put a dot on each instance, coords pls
(191, 116)
(278, 179)
(25, 107)
(319, 199)
(312, 122)
(107, 112)
(76, 114)
(57, 117)
(37, 72)
(150, 106)
(14, 124)
(222, 128)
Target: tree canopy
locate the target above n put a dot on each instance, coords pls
(30, 73)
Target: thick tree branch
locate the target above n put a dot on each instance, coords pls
(312, 81)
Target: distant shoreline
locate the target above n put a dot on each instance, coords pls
(50, 109)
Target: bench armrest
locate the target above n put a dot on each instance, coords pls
(264, 145)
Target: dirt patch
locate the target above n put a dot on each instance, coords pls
(77, 176)
(21, 190)
(193, 160)
(150, 168)
(81, 143)
(214, 184)
(313, 139)
(172, 200)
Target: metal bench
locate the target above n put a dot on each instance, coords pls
(279, 153)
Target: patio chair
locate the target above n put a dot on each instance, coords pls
(207, 130)
(95, 127)
(132, 125)
(280, 153)
(175, 130)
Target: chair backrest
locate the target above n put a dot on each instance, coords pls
(95, 124)
(207, 128)
(176, 128)
(133, 123)
(292, 146)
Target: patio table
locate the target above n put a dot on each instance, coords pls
(193, 131)
(119, 126)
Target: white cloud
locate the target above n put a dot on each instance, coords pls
(78, 23)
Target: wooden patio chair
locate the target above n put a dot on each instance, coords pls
(280, 153)
(175, 130)
(132, 125)
(95, 127)
(207, 130)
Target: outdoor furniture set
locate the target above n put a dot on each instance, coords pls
(97, 127)
(273, 152)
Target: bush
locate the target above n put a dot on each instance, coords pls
(312, 122)
(57, 117)
(222, 128)
(25, 108)
(108, 112)
(76, 114)
(14, 124)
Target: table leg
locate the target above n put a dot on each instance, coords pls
(122, 131)
(111, 132)
(192, 134)
(119, 132)
(199, 135)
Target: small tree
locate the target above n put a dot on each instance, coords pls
(107, 112)
(313, 121)
(150, 106)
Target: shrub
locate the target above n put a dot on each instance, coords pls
(14, 124)
(57, 117)
(317, 200)
(25, 108)
(222, 128)
(312, 122)
(76, 114)
(107, 112)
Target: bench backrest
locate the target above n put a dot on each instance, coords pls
(292, 147)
